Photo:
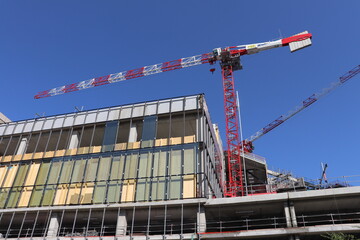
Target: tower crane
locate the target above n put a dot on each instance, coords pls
(229, 59)
(247, 143)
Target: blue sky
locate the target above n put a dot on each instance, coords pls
(46, 44)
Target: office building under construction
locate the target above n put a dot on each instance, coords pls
(152, 170)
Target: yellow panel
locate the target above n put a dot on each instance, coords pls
(175, 140)
(189, 186)
(96, 149)
(7, 158)
(2, 173)
(25, 197)
(17, 157)
(189, 139)
(74, 194)
(70, 152)
(49, 154)
(86, 193)
(10, 176)
(128, 191)
(83, 150)
(32, 174)
(38, 155)
(61, 193)
(27, 156)
(120, 146)
(60, 153)
(161, 142)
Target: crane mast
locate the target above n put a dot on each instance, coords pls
(229, 59)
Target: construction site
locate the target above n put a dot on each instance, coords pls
(160, 170)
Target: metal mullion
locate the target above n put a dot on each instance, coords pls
(148, 222)
(61, 221)
(107, 182)
(87, 224)
(34, 226)
(47, 224)
(102, 224)
(22, 224)
(8, 230)
(7, 147)
(132, 223)
(74, 223)
(165, 218)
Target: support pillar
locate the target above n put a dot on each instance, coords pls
(287, 215)
(53, 225)
(121, 224)
(293, 215)
(201, 220)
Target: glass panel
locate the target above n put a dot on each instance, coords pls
(190, 128)
(189, 161)
(110, 136)
(114, 192)
(43, 173)
(158, 189)
(142, 190)
(54, 138)
(49, 194)
(85, 142)
(149, 130)
(175, 163)
(98, 136)
(160, 159)
(100, 190)
(122, 135)
(11, 150)
(78, 171)
(117, 167)
(21, 174)
(86, 193)
(175, 188)
(91, 169)
(36, 196)
(13, 197)
(43, 141)
(54, 172)
(162, 131)
(32, 143)
(66, 171)
(3, 144)
(145, 165)
(130, 166)
(64, 138)
(104, 169)
(177, 129)
(3, 196)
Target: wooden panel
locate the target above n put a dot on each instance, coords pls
(83, 150)
(10, 176)
(49, 154)
(60, 153)
(61, 193)
(120, 146)
(95, 149)
(7, 158)
(2, 174)
(32, 174)
(175, 140)
(87, 193)
(161, 142)
(189, 186)
(189, 139)
(128, 191)
(74, 194)
(27, 156)
(25, 197)
(38, 155)
(17, 157)
(133, 145)
(71, 152)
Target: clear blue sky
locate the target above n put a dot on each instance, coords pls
(45, 44)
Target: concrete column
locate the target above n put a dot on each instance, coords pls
(121, 224)
(287, 215)
(53, 225)
(133, 133)
(201, 220)
(293, 215)
(22, 146)
(74, 140)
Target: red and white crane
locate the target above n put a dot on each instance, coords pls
(229, 59)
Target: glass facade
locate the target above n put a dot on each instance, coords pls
(144, 152)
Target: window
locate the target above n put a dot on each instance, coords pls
(148, 131)
(110, 136)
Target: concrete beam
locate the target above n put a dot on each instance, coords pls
(201, 220)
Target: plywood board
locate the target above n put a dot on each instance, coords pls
(189, 186)
(25, 197)
(10, 176)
